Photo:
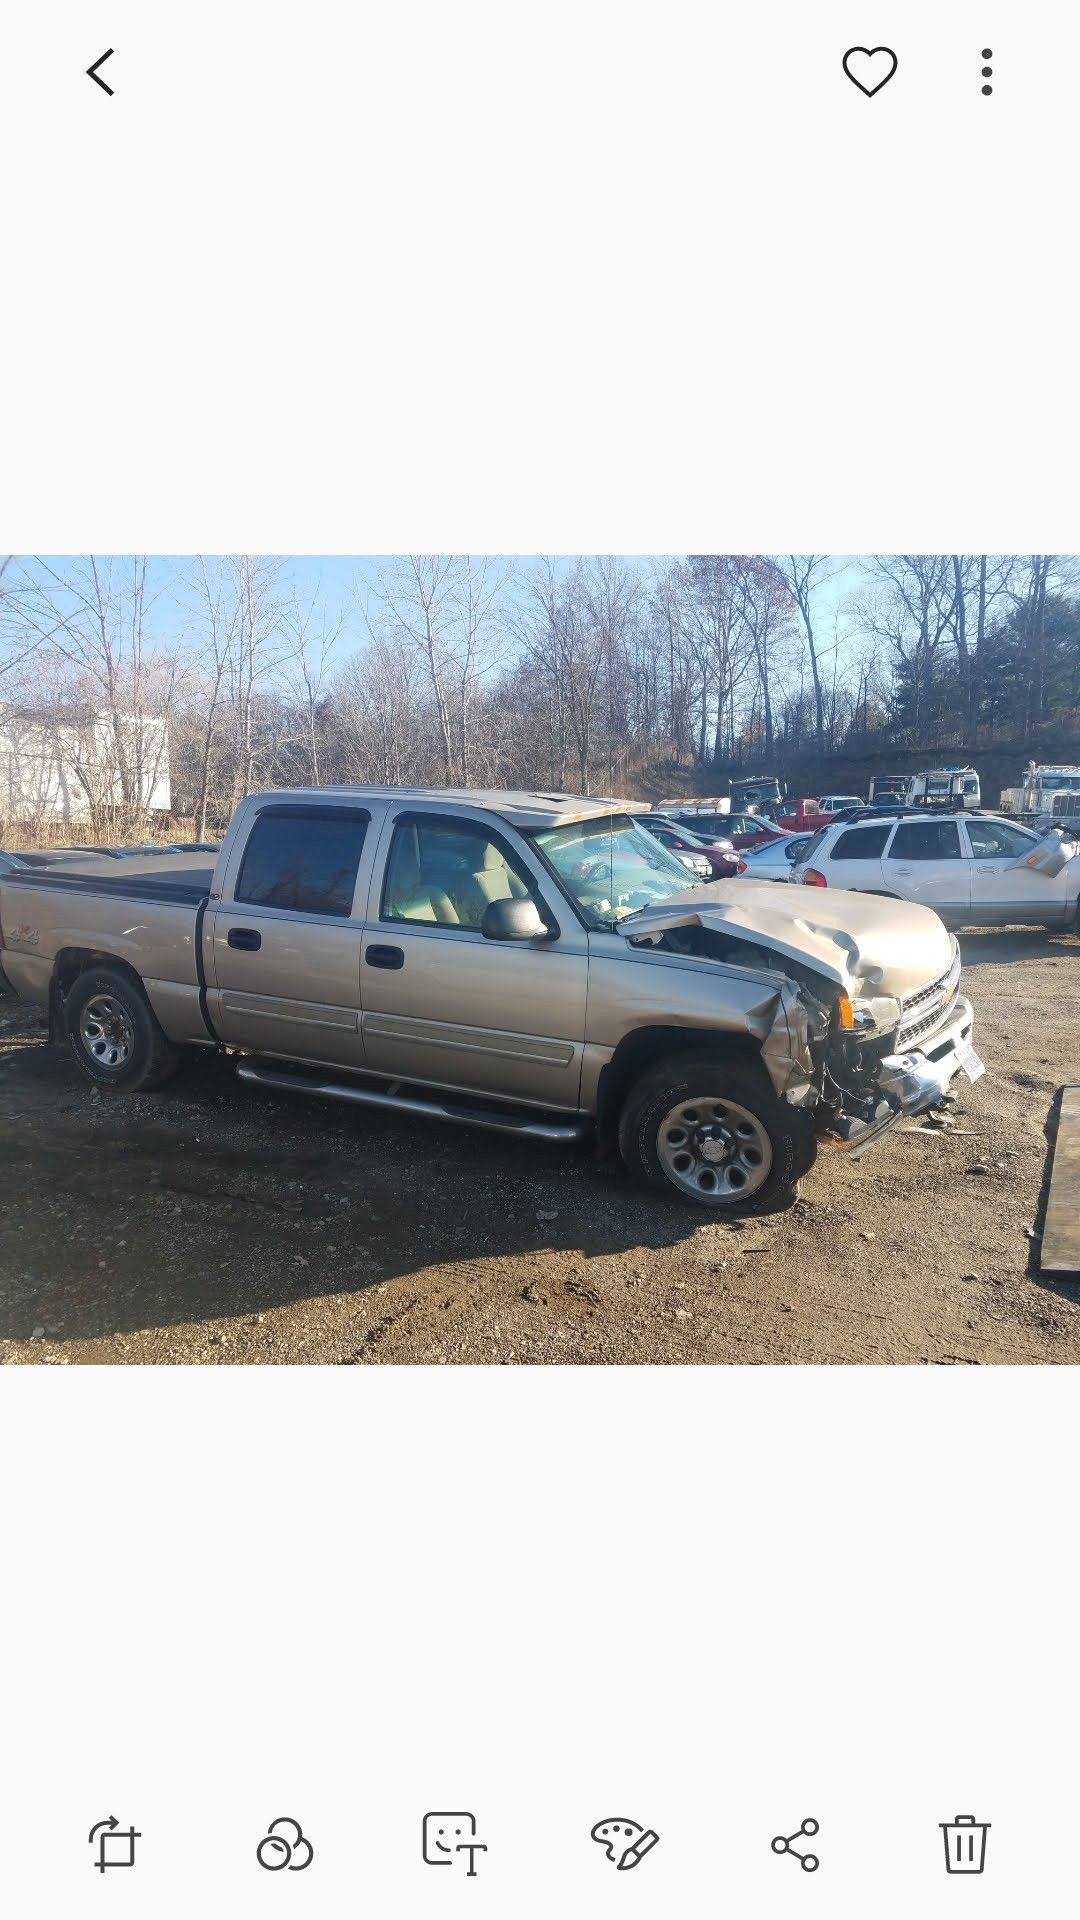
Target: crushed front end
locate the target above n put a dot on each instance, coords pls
(885, 1059)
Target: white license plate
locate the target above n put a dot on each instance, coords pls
(969, 1060)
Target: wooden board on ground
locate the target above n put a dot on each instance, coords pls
(1061, 1229)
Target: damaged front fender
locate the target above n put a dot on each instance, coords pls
(786, 1054)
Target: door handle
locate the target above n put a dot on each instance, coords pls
(986, 869)
(248, 939)
(388, 957)
(906, 871)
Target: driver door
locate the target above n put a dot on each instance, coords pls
(444, 1005)
(1003, 891)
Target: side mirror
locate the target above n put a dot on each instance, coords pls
(513, 920)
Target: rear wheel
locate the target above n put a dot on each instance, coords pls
(114, 1035)
(712, 1131)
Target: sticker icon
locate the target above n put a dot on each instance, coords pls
(449, 1839)
(625, 1842)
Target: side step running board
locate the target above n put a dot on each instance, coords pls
(490, 1119)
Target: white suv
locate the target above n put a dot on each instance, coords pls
(973, 869)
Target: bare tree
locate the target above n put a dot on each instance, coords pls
(309, 636)
(253, 658)
(215, 624)
(802, 574)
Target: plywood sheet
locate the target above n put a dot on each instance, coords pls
(1061, 1230)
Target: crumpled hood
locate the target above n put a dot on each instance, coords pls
(868, 945)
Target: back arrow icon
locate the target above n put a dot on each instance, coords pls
(95, 75)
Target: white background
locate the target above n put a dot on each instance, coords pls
(593, 276)
(587, 277)
(713, 1602)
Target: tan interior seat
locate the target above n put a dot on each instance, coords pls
(408, 896)
(495, 879)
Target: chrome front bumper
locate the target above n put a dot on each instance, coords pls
(916, 1082)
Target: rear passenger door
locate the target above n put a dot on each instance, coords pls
(283, 972)
(926, 861)
(443, 1004)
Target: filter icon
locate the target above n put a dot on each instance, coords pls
(965, 1843)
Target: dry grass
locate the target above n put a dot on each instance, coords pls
(38, 835)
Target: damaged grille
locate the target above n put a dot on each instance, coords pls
(925, 1009)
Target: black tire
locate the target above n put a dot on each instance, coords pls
(712, 1076)
(132, 1054)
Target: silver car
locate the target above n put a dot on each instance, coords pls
(776, 860)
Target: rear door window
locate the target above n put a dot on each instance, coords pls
(926, 840)
(303, 858)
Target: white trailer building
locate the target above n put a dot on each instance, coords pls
(69, 767)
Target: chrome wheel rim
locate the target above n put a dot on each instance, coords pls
(107, 1032)
(715, 1150)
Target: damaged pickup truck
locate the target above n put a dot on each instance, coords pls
(534, 964)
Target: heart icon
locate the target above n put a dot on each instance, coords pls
(870, 67)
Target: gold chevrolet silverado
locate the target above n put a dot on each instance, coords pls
(531, 963)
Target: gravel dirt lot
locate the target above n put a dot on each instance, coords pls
(212, 1223)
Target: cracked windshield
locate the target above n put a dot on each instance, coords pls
(611, 867)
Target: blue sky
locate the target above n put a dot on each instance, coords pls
(339, 577)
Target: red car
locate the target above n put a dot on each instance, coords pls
(720, 854)
(740, 830)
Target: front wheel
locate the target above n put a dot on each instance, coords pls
(114, 1035)
(712, 1131)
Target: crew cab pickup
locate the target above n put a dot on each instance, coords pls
(536, 964)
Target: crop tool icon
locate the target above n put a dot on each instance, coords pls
(115, 1844)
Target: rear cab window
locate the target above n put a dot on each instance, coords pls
(303, 859)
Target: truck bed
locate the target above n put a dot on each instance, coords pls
(58, 919)
(189, 889)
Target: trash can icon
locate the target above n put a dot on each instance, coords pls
(965, 1843)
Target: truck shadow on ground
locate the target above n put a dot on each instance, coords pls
(211, 1201)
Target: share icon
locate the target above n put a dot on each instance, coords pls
(785, 1843)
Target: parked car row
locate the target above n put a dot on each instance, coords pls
(710, 859)
(737, 830)
(973, 869)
